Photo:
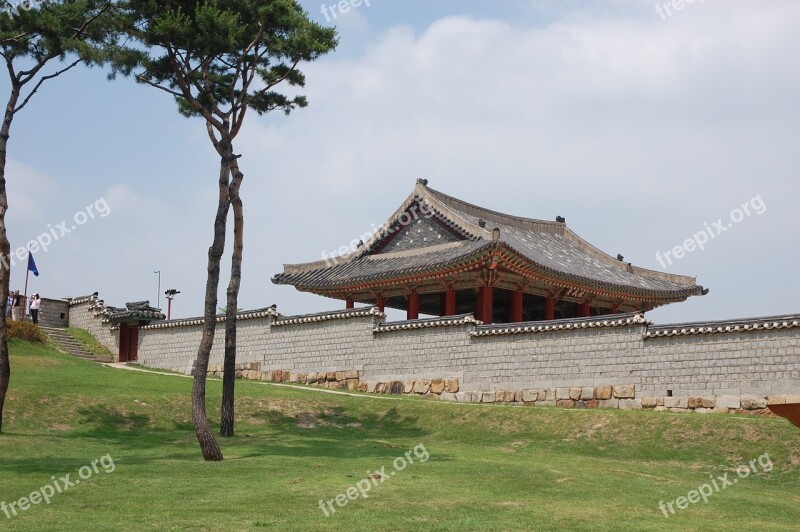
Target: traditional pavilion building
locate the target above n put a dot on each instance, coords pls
(441, 256)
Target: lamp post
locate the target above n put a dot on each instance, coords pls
(158, 292)
(171, 293)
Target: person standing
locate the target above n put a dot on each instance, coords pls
(18, 311)
(35, 304)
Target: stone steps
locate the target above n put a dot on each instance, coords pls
(71, 346)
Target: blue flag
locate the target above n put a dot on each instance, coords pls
(32, 265)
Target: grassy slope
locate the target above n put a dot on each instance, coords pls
(89, 342)
(490, 467)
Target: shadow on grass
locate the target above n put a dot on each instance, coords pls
(329, 433)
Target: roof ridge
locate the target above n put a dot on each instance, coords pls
(501, 217)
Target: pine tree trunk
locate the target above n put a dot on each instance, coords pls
(208, 445)
(229, 376)
(5, 249)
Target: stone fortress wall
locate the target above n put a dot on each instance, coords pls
(619, 361)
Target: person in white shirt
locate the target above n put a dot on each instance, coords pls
(35, 304)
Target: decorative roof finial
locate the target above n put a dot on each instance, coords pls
(423, 182)
(561, 219)
(482, 222)
(620, 257)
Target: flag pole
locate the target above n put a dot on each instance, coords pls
(27, 272)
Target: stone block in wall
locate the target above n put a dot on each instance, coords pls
(792, 399)
(720, 410)
(461, 397)
(701, 410)
(363, 386)
(529, 396)
(451, 385)
(255, 366)
(575, 394)
(408, 386)
(371, 386)
(609, 403)
(727, 401)
(339, 376)
(508, 396)
(695, 402)
(550, 394)
(285, 375)
(625, 391)
(630, 404)
(649, 402)
(421, 387)
(587, 393)
(592, 403)
(396, 387)
(447, 396)
(676, 402)
(488, 397)
(562, 394)
(352, 384)
(437, 386)
(302, 378)
(380, 387)
(751, 402)
(330, 376)
(565, 403)
(352, 374)
(545, 403)
(776, 400)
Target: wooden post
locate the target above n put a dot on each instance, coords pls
(450, 303)
(515, 310)
(485, 300)
(584, 310)
(348, 303)
(380, 303)
(550, 308)
(413, 306)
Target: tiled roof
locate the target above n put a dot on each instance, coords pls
(549, 249)
(449, 321)
(617, 320)
(325, 316)
(136, 311)
(725, 326)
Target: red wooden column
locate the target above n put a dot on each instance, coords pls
(584, 311)
(413, 306)
(449, 303)
(380, 303)
(515, 307)
(550, 308)
(348, 303)
(485, 297)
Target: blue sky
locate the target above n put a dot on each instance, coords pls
(641, 131)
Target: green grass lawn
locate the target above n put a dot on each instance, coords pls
(89, 342)
(490, 467)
